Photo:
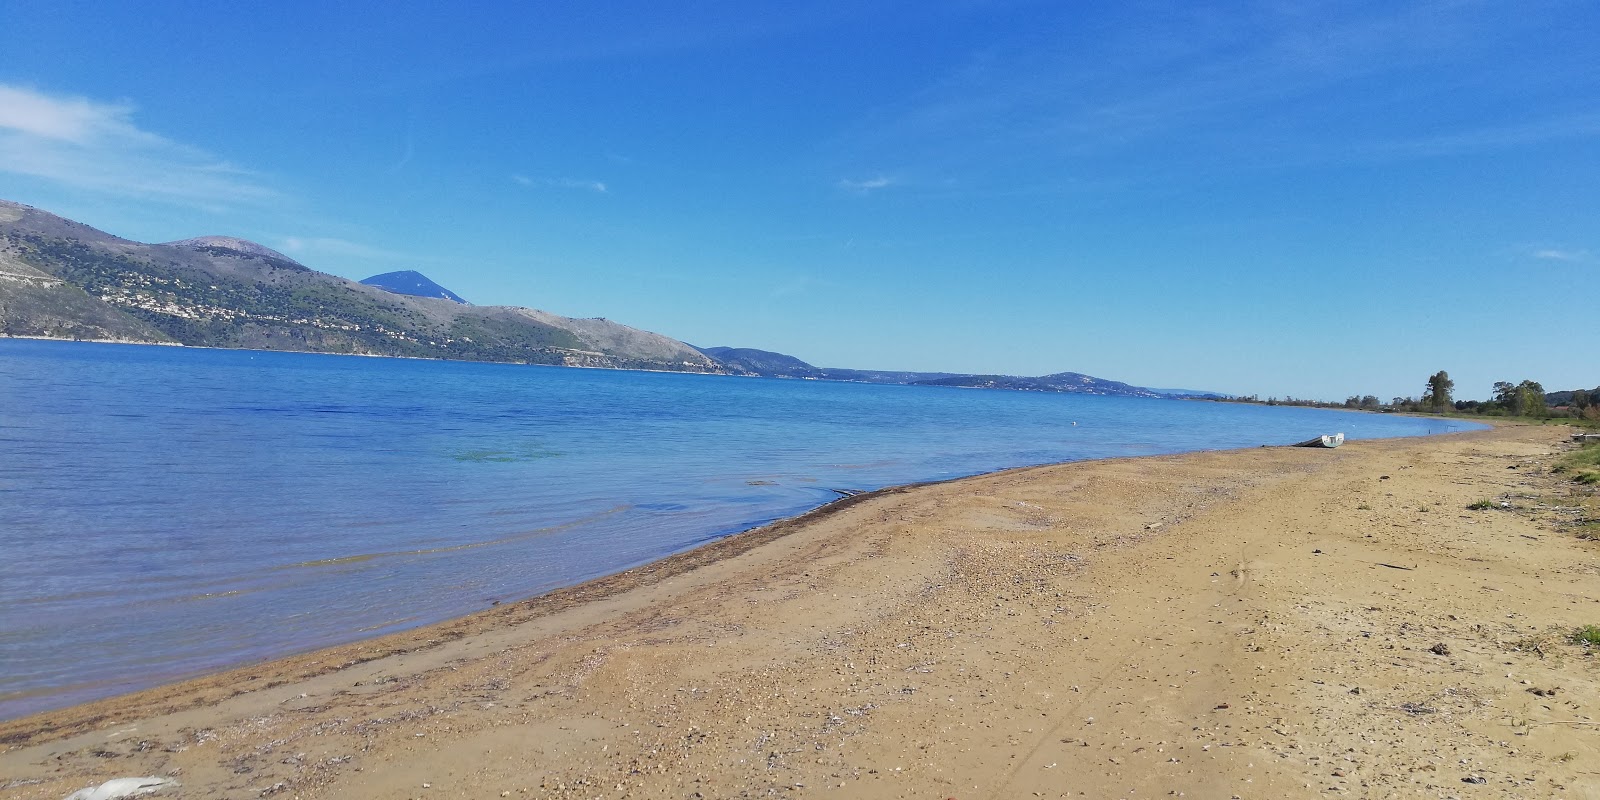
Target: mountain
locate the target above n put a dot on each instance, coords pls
(231, 246)
(882, 376)
(1564, 396)
(1075, 382)
(768, 364)
(750, 361)
(765, 363)
(1197, 394)
(412, 283)
(64, 279)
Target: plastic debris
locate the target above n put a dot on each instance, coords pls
(118, 788)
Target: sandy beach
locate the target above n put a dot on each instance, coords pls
(1262, 623)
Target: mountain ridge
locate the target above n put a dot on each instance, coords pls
(233, 244)
(63, 279)
(66, 280)
(771, 364)
(1069, 382)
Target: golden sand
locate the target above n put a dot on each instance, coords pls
(1261, 623)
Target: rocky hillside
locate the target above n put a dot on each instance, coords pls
(63, 279)
(765, 363)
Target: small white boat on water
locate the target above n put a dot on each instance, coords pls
(1325, 440)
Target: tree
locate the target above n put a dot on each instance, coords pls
(1580, 400)
(1505, 394)
(1437, 394)
(1531, 395)
(1520, 400)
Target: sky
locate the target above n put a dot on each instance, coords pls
(1278, 198)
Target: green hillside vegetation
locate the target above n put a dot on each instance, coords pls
(36, 303)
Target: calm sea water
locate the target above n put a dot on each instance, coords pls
(168, 511)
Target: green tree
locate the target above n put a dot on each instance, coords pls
(1532, 398)
(1521, 399)
(1505, 395)
(1437, 393)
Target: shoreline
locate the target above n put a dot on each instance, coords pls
(1123, 603)
(613, 581)
(162, 698)
(626, 579)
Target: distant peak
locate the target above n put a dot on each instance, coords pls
(413, 283)
(233, 243)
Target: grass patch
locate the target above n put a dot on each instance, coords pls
(1483, 505)
(1587, 635)
(1582, 464)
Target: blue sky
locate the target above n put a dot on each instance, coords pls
(1283, 198)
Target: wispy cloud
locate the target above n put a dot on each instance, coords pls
(1561, 254)
(94, 145)
(1257, 85)
(328, 247)
(1521, 134)
(867, 185)
(561, 183)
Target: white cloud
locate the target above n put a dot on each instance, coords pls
(338, 248)
(71, 119)
(867, 185)
(93, 145)
(1557, 254)
(562, 183)
(593, 186)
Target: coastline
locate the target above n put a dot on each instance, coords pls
(203, 689)
(997, 590)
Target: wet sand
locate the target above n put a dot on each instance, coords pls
(1272, 622)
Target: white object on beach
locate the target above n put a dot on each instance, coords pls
(1324, 440)
(118, 788)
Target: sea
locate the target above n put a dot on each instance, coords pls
(168, 511)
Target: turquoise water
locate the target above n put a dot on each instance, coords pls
(168, 511)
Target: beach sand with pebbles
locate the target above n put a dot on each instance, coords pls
(1263, 623)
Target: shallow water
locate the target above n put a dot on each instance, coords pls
(168, 511)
